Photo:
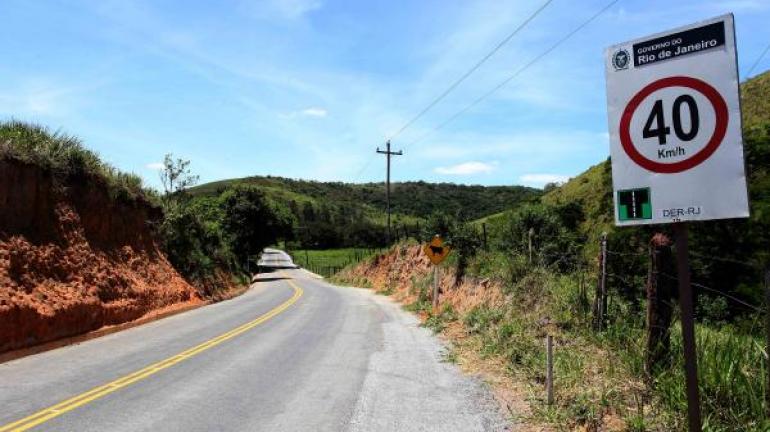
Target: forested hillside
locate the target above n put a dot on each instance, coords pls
(334, 214)
(417, 199)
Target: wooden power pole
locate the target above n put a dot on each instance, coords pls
(388, 154)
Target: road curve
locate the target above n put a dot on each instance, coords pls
(291, 354)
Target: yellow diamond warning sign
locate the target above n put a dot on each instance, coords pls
(436, 250)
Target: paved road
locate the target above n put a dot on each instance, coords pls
(276, 259)
(291, 354)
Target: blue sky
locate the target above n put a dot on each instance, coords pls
(309, 88)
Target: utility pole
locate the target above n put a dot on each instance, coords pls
(388, 154)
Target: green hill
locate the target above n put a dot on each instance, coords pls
(334, 214)
(755, 100)
(409, 200)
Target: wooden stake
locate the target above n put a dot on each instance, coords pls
(767, 340)
(604, 281)
(529, 240)
(600, 299)
(659, 310)
(549, 368)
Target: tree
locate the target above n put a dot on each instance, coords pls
(551, 186)
(191, 232)
(176, 177)
(252, 221)
(439, 223)
(465, 241)
(552, 242)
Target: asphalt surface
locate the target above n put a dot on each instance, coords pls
(305, 355)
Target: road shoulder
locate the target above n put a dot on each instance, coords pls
(409, 385)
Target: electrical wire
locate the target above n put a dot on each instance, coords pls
(361, 171)
(756, 63)
(515, 74)
(470, 71)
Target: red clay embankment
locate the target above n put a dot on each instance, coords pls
(403, 266)
(73, 258)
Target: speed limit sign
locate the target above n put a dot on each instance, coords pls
(675, 126)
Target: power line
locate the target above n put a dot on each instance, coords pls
(515, 74)
(756, 63)
(361, 171)
(471, 70)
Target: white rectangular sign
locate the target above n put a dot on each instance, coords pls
(675, 126)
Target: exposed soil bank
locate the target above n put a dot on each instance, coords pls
(400, 269)
(74, 259)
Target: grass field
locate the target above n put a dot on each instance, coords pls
(329, 261)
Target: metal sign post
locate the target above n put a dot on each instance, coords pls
(436, 252)
(688, 326)
(435, 287)
(676, 145)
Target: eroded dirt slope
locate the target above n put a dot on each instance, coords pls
(74, 259)
(401, 270)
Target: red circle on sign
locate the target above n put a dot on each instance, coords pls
(720, 129)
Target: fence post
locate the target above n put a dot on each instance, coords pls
(604, 279)
(583, 293)
(767, 336)
(659, 310)
(484, 230)
(529, 240)
(549, 368)
(600, 301)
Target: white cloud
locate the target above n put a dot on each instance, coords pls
(155, 166)
(314, 112)
(541, 179)
(297, 8)
(286, 9)
(467, 168)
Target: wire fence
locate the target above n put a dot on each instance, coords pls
(719, 293)
(629, 270)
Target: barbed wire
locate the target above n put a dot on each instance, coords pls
(621, 278)
(716, 291)
(727, 260)
(640, 254)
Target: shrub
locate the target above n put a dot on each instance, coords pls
(252, 221)
(65, 157)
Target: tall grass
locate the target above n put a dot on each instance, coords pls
(65, 157)
(732, 379)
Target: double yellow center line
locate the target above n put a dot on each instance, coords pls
(72, 403)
